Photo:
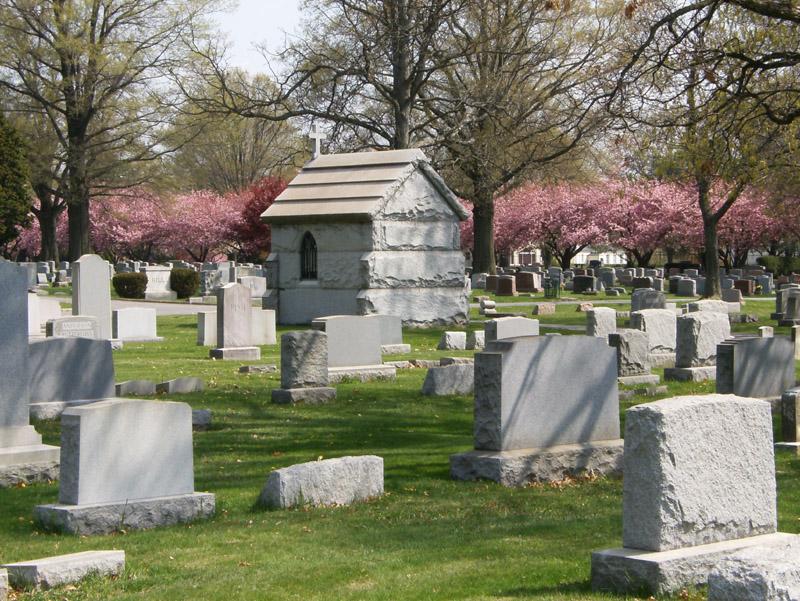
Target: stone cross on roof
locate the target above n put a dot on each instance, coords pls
(316, 137)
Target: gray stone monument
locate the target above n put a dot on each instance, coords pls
(646, 298)
(23, 457)
(633, 357)
(125, 464)
(661, 327)
(91, 291)
(600, 322)
(354, 348)
(158, 286)
(698, 335)
(235, 325)
(304, 368)
(73, 326)
(134, 325)
(758, 574)
(391, 333)
(339, 481)
(755, 367)
(449, 379)
(520, 380)
(509, 327)
(68, 371)
(699, 485)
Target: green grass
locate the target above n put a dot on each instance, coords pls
(428, 538)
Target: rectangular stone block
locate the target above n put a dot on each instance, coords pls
(633, 353)
(449, 379)
(600, 322)
(50, 572)
(698, 335)
(158, 283)
(207, 329)
(135, 387)
(510, 327)
(14, 392)
(234, 317)
(340, 481)
(698, 470)
(304, 359)
(185, 385)
(352, 340)
(64, 370)
(121, 450)
(661, 327)
(390, 328)
(519, 380)
(453, 341)
(309, 395)
(264, 331)
(645, 298)
(639, 572)
(769, 573)
(74, 326)
(755, 367)
(134, 324)
(105, 518)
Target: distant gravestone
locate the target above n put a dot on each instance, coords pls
(583, 283)
(453, 341)
(125, 464)
(790, 415)
(91, 293)
(699, 483)
(755, 367)
(698, 335)
(304, 368)
(633, 356)
(234, 325)
(686, 287)
(135, 325)
(449, 379)
(660, 325)
(645, 298)
(23, 457)
(75, 326)
(158, 286)
(519, 380)
(354, 347)
(600, 322)
(506, 286)
(390, 328)
(68, 371)
(510, 327)
(256, 284)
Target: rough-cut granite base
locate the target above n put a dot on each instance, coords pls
(310, 396)
(65, 569)
(691, 374)
(634, 571)
(643, 380)
(241, 353)
(520, 467)
(758, 574)
(661, 360)
(23, 465)
(363, 373)
(395, 349)
(3, 585)
(105, 518)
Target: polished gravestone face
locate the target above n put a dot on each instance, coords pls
(91, 294)
(352, 340)
(13, 345)
(525, 397)
(234, 316)
(121, 450)
(755, 367)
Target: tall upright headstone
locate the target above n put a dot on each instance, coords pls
(699, 485)
(125, 464)
(519, 380)
(235, 324)
(91, 292)
(23, 457)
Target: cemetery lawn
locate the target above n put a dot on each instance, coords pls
(428, 538)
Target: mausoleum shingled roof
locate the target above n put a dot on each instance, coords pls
(353, 185)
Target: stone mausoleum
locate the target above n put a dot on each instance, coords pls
(366, 233)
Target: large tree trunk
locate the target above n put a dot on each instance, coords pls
(78, 221)
(400, 75)
(48, 222)
(711, 257)
(483, 260)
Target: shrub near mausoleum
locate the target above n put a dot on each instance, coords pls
(130, 285)
(184, 282)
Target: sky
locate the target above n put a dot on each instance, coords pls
(257, 21)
